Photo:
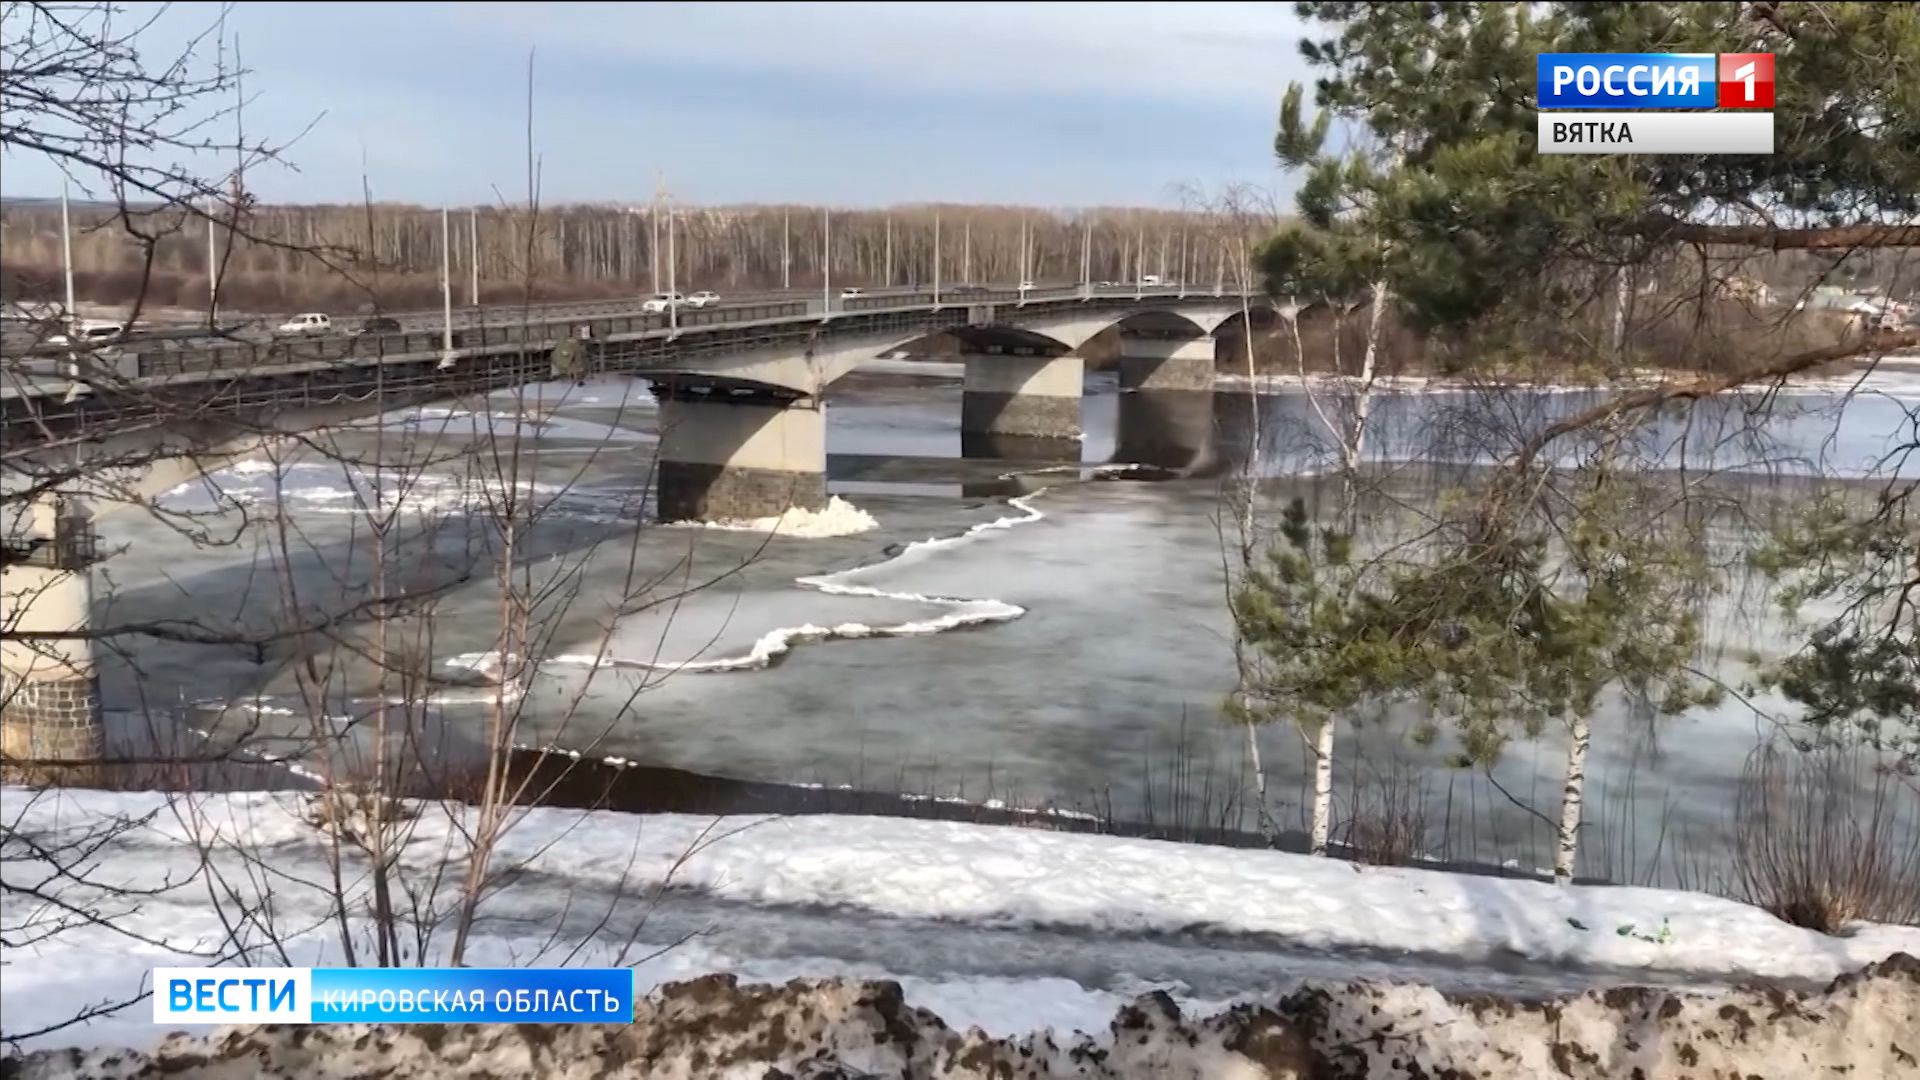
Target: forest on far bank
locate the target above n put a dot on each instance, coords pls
(346, 259)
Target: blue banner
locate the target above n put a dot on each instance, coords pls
(1626, 80)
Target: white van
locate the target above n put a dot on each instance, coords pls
(311, 324)
(92, 334)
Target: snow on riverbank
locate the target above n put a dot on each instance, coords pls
(962, 873)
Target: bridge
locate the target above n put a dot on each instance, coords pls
(742, 429)
(740, 386)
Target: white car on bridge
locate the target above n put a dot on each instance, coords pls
(91, 334)
(703, 299)
(310, 324)
(661, 302)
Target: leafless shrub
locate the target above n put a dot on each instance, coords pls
(1820, 849)
(1384, 821)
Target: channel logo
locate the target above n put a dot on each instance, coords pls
(1655, 103)
(1654, 80)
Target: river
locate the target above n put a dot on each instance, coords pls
(1063, 644)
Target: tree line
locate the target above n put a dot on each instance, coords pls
(388, 256)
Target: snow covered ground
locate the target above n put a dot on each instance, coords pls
(585, 882)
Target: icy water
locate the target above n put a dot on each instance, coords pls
(1061, 643)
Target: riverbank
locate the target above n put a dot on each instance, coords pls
(188, 877)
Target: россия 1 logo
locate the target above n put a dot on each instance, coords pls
(1680, 103)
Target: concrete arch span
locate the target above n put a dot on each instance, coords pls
(807, 367)
(743, 433)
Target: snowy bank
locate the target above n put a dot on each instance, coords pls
(844, 1028)
(962, 872)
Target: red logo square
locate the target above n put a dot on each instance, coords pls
(1746, 80)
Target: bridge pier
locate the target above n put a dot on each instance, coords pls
(1021, 407)
(1165, 429)
(732, 455)
(1153, 363)
(49, 690)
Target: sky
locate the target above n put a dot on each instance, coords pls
(853, 104)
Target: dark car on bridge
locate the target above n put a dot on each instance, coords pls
(378, 324)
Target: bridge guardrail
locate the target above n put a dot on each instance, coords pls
(961, 296)
(237, 356)
(594, 309)
(245, 356)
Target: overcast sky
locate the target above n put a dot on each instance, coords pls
(850, 104)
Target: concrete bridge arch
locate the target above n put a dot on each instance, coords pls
(1021, 397)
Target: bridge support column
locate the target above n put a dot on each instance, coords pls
(49, 691)
(1165, 429)
(1148, 363)
(1021, 407)
(735, 457)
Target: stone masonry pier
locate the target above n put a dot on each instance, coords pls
(49, 691)
(727, 455)
(1155, 363)
(1023, 407)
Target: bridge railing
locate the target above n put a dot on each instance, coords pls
(238, 356)
(558, 310)
(662, 354)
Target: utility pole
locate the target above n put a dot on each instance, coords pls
(1183, 262)
(786, 249)
(889, 251)
(1139, 263)
(936, 258)
(1086, 260)
(653, 249)
(213, 270)
(966, 248)
(826, 258)
(473, 250)
(1023, 258)
(66, 261)
(446, 290)
(673, 290)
